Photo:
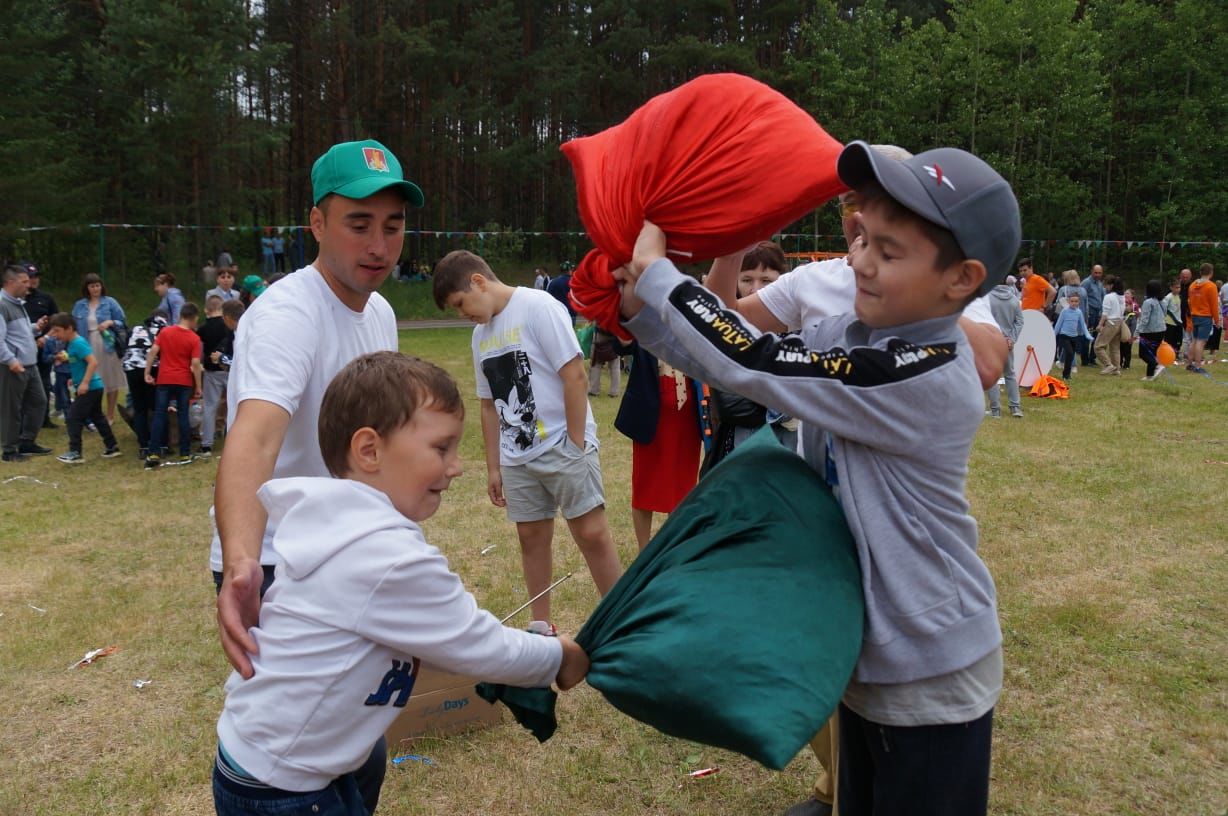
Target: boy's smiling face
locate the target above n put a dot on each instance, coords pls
(894, 265)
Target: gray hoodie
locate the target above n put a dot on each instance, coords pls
(889, 418)
(16, 334)
(1004, 303)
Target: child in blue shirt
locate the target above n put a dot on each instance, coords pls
(51, 351)
(1068, 328)
(88, 404)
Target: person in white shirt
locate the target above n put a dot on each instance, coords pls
(288, 347)
(537, 426)
(361, 601)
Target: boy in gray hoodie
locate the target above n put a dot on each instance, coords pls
(890, 401)
(1004, 303)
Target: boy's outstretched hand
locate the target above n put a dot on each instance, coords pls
(574, 667)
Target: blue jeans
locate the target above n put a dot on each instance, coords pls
(182, 395)
(340, 798)
(352, 794)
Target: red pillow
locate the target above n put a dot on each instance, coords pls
(718, 163)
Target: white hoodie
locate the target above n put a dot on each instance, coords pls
(359, 595)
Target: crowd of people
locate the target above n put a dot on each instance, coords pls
(870, 366)
(1097, 320)
(83, 359)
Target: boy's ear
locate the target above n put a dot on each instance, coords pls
(365, 449)
(478, 282)
(967, 280)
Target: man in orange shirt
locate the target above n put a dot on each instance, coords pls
(1038, 293)
(1204, 315)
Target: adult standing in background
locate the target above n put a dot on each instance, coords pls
(97, 314)
(1038, 293)
(225, 260)
(288, 347)
(40, 306)
(23, 402)
(279, 252)
(1093, 300)
(172, 298)
(560, 288)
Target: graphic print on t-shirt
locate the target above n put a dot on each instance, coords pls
(512, 394)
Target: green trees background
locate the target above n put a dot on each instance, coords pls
(1108, 116)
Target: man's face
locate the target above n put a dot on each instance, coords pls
(18, 286)
(360, 241)
(1186, 275)
(1025, 270)
(230, 322)
(1097, 271)
(33, 282)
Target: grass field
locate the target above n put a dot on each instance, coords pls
(1102, 520)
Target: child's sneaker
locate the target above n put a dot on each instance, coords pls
(1017, 412)
(152, 461)
(205, 451)
(71, 458)
(111, 453)
(1159, 371)
(994, 414)
(542, 628)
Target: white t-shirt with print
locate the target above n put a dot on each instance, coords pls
(826, 288)
(516, 360)
(288, 347)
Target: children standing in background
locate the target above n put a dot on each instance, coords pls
(144, 335)
(176, 354)
(1151, 329)
(217, 338)
(1069, 328)
(537, 426)
(1007, 312)
(1108, 332)
(87, 407)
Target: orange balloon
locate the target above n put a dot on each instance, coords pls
(1166, 354)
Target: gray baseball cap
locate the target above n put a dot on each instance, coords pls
(953, 189)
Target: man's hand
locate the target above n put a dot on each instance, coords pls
(16, 367)
(494, 488)
(238, 609)
(574, 667)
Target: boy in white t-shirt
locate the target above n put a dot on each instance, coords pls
(537, 426)
(361, 601)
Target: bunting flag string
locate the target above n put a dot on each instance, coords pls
(1074, 243)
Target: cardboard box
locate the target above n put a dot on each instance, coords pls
(442, 703)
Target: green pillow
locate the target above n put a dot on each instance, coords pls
(740, 623)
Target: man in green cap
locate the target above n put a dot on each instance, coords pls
(288, 346)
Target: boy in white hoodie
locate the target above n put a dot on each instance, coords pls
(361, 601)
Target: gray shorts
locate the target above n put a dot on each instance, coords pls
(563, 478)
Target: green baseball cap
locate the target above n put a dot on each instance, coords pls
(358, 170)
